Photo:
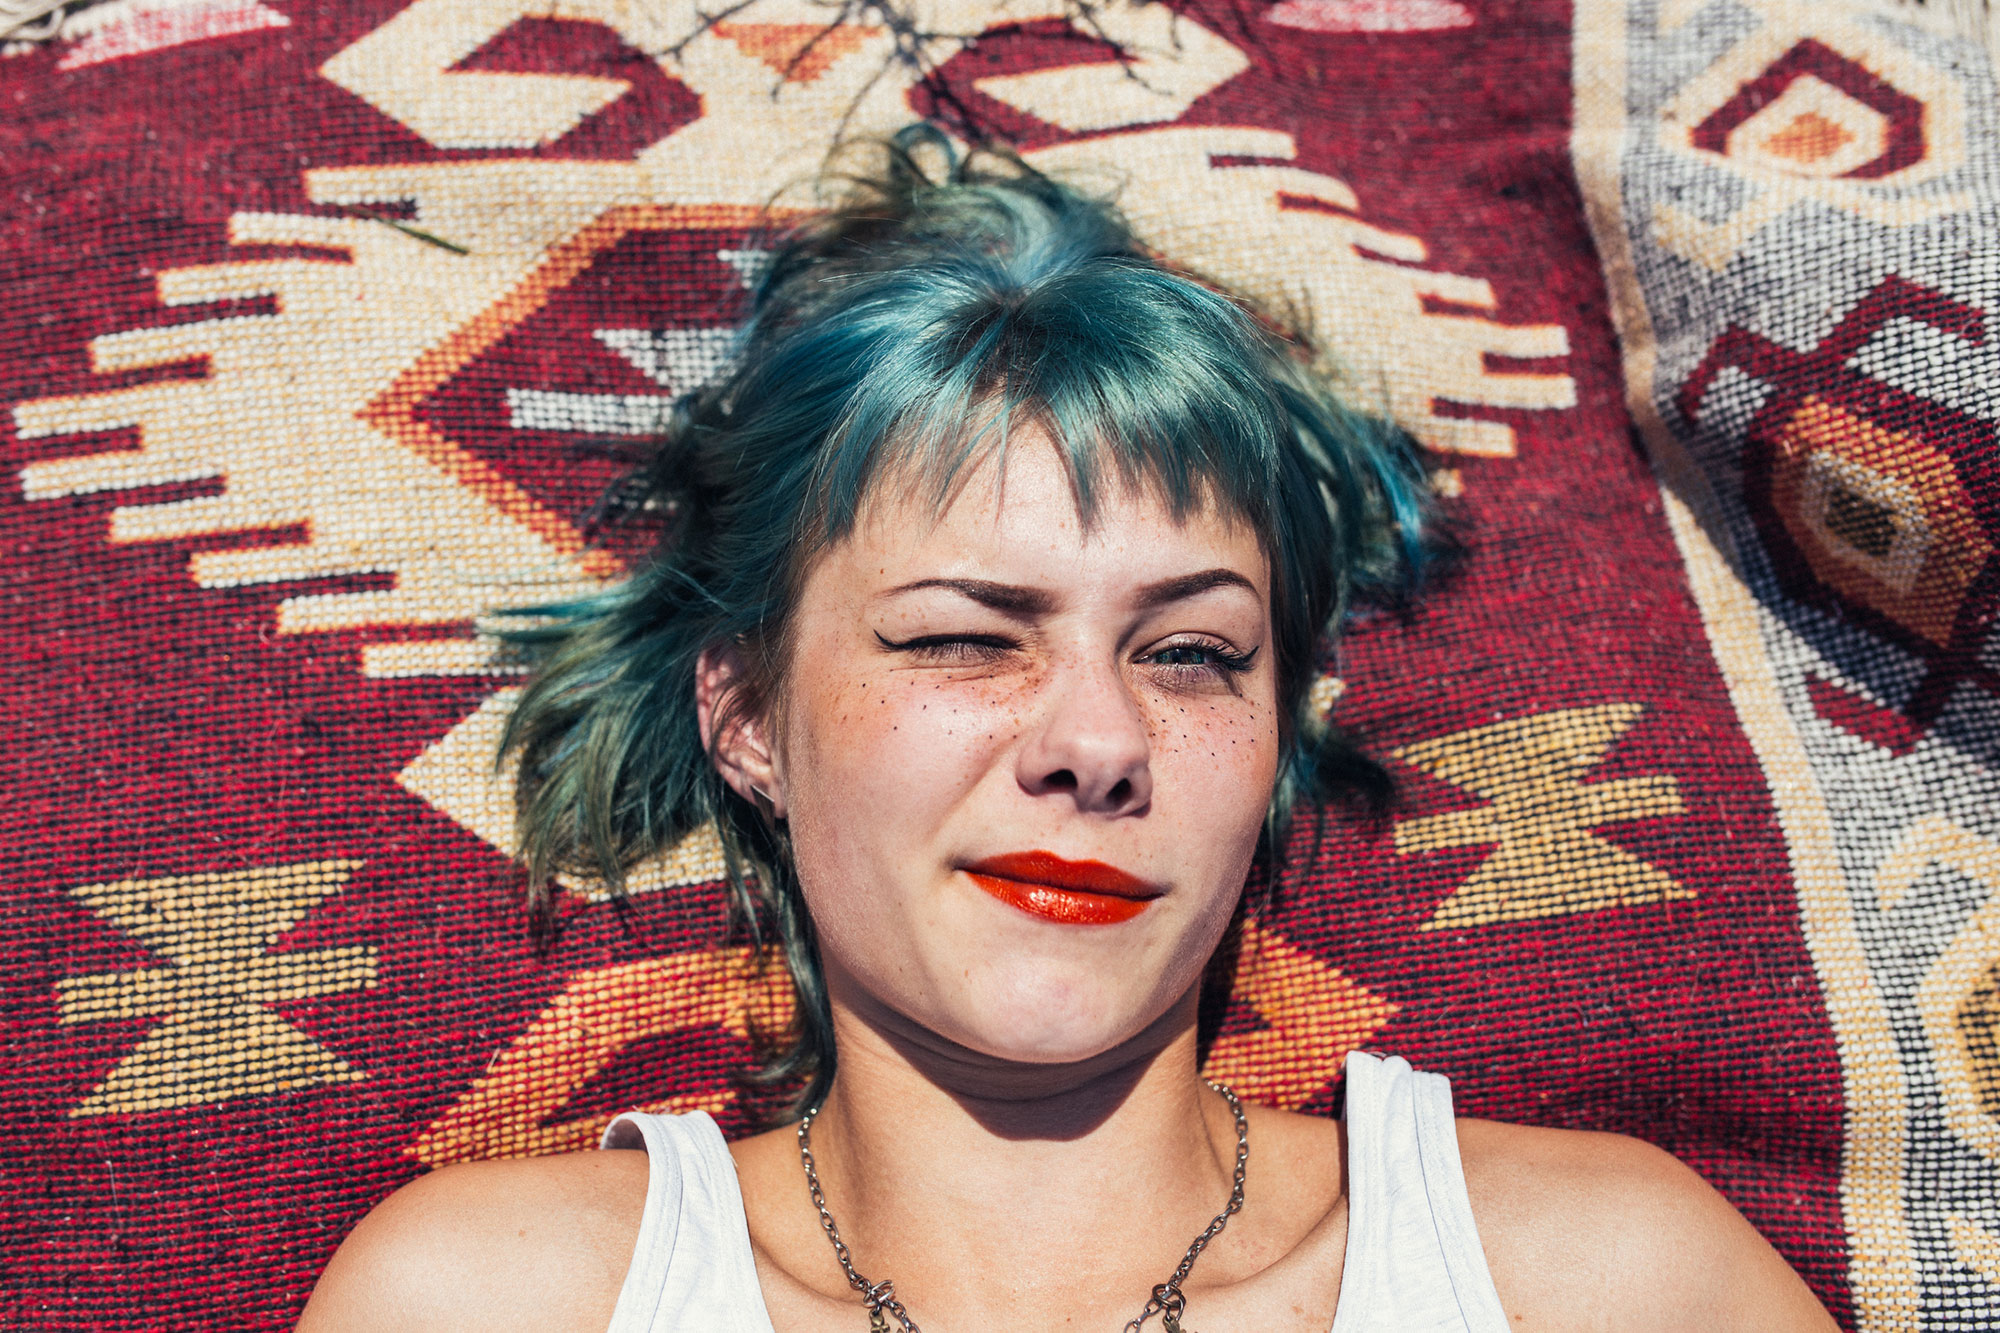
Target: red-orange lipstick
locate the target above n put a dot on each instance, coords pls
(1076, 893)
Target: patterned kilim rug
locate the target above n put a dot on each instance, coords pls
(325, 327)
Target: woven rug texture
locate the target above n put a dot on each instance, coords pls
(325, 328)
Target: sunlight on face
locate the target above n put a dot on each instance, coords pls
(998, 681)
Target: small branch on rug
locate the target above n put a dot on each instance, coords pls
(919, 49)
(414, 233)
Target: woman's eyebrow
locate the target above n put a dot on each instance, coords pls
(1024, 602)
(1187, 585)
(1008, 598)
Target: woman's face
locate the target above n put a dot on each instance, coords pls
(1025, 763)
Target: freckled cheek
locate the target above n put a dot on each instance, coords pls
(1215, 746)
(874, 776)
(1234, 730)
(914, 727)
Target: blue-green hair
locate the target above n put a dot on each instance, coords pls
(896, 337)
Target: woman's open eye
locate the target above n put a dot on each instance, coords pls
(1201, 656)
(950, 649)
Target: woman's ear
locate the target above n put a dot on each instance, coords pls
(738, 740)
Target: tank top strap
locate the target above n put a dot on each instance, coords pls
(1414, 1260)
(692, 1265)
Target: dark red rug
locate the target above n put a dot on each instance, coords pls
(326, 326)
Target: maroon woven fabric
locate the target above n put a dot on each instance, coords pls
(319, 341)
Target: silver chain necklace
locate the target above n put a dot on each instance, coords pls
(879, 1298)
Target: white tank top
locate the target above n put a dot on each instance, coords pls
(1413, 1259)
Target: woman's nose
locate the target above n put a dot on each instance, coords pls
(1093, 744)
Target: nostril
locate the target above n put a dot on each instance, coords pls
(1062, 780)
(1121, 793)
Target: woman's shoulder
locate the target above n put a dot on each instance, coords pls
(535, 1243)
(1586, 1229)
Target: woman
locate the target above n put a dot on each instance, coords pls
(997, 573)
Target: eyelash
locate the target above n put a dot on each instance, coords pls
(962, 648)
(978, 648)
(1234, 664)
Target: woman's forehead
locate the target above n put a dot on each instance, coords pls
(1017, 513)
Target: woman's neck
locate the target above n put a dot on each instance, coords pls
(985, 1188)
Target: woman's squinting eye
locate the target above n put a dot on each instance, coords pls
(951, 649)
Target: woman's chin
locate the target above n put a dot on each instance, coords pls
(1052, 1019)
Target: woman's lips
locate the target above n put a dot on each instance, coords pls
(1077, 893)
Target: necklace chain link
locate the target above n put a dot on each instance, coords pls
(1167, 1300)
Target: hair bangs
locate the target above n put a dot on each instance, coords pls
(1138, 378)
